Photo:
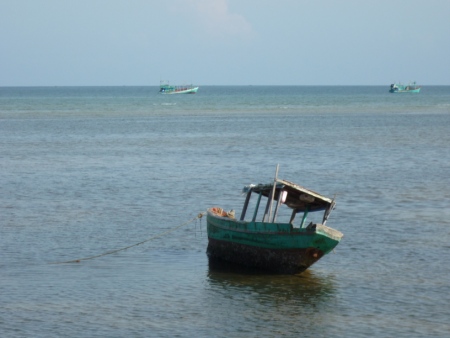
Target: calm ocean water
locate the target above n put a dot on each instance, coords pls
(87, 170)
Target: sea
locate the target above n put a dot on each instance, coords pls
(102, 191)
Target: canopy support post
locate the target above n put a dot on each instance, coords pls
(268, 213)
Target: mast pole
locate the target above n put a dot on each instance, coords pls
(273, 192)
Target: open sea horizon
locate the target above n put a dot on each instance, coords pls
(86, 171)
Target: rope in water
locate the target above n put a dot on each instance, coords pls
(200, 215)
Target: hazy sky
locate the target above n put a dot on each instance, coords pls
(224, 42)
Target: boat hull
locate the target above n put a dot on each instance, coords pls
(405, 91)
(276, 247)
(180, 91)
(283, 261)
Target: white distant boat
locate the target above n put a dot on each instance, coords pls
(166, 88)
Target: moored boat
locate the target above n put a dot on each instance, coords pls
(400, 88)
(273, 243)
(166, 88)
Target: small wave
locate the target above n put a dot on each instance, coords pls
(165, 104)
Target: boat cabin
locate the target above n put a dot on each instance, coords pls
(298, 199)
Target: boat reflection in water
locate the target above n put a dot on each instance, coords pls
(303, 291)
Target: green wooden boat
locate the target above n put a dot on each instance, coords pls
(400, 88)
(273, 244)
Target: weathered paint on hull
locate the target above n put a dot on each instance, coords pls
(272, 246)
(284, 261)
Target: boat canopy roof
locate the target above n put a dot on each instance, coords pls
(298, 197)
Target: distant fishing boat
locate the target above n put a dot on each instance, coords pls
(166, 88)
(409, 88)
(280, 247)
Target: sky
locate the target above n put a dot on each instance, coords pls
(224, 42)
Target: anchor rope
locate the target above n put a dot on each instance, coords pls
(199, 216)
